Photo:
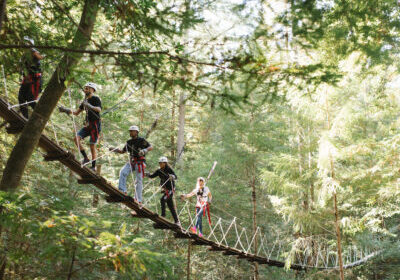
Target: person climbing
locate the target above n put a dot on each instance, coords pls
(167, 183)
(31, 84)
(92, 106)
(137, 147)
(204, 198)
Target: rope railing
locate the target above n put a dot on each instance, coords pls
(314, 252)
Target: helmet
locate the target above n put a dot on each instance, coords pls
(30, 40)
(163, 159)
(134, 127)
(91, 85)
(201, 179)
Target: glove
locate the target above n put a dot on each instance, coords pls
(62, 109)
(171, 177)
(142, 152)
(146, 174)
(111, 149)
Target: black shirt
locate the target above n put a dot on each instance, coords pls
(164, 175)
(133, 146)
(92, 115)
(31, 63)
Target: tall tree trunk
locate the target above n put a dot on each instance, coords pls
(3, 266)
(142, 110)
(32, 131)
(172, 137)
(95, 201)
(311, 182)
(337, 226)
(254, 201)
(188, 260)
(181, 129)
(3, 4)
(71, 266)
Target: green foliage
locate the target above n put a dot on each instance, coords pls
(291, 103)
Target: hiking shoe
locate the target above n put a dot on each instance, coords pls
(85, 160)
(193, 230)
(200, 234)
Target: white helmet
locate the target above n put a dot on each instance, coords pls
(92, 85)
(134, 127)
(30, 40)
(163, 159)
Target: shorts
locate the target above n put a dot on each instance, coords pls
(92, 130)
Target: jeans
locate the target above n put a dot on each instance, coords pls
(199, 217)
(123, 176)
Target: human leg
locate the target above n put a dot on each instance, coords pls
(123, 176)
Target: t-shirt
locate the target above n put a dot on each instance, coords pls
(133, 146)
(202, 195)
(31, 63)
(164, 176)
(92, 115)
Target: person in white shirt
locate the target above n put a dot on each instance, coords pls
(204, 198)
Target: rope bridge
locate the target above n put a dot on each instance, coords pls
(224, 235)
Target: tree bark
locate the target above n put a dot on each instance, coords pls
(72, 263)
(32, 131)
(95, 201)
(254, 200)
(3, 267)
(181, 129)
(3, 4)
(173, 126)
(188, 260)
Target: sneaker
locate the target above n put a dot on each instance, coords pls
(200, 234)
(193, 230)
(93, 168)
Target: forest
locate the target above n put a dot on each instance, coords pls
(287, 111)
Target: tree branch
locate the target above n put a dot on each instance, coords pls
(105, 52)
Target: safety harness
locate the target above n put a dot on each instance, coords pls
(94, 129)
(139, 161)
(34, 81)
(205, 206)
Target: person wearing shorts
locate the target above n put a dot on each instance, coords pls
(92, 106)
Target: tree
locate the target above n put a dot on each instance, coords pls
(33, 130)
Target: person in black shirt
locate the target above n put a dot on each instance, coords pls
(137, 147)
(31, 84)
(92, 106)
(167, 183)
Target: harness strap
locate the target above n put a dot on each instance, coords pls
(139, 161)
(206, 208)
(93, 128)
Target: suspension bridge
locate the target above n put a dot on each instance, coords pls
(225, 235)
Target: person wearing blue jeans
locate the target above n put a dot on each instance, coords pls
(199, 220)
(137, 147)
(204, 198)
